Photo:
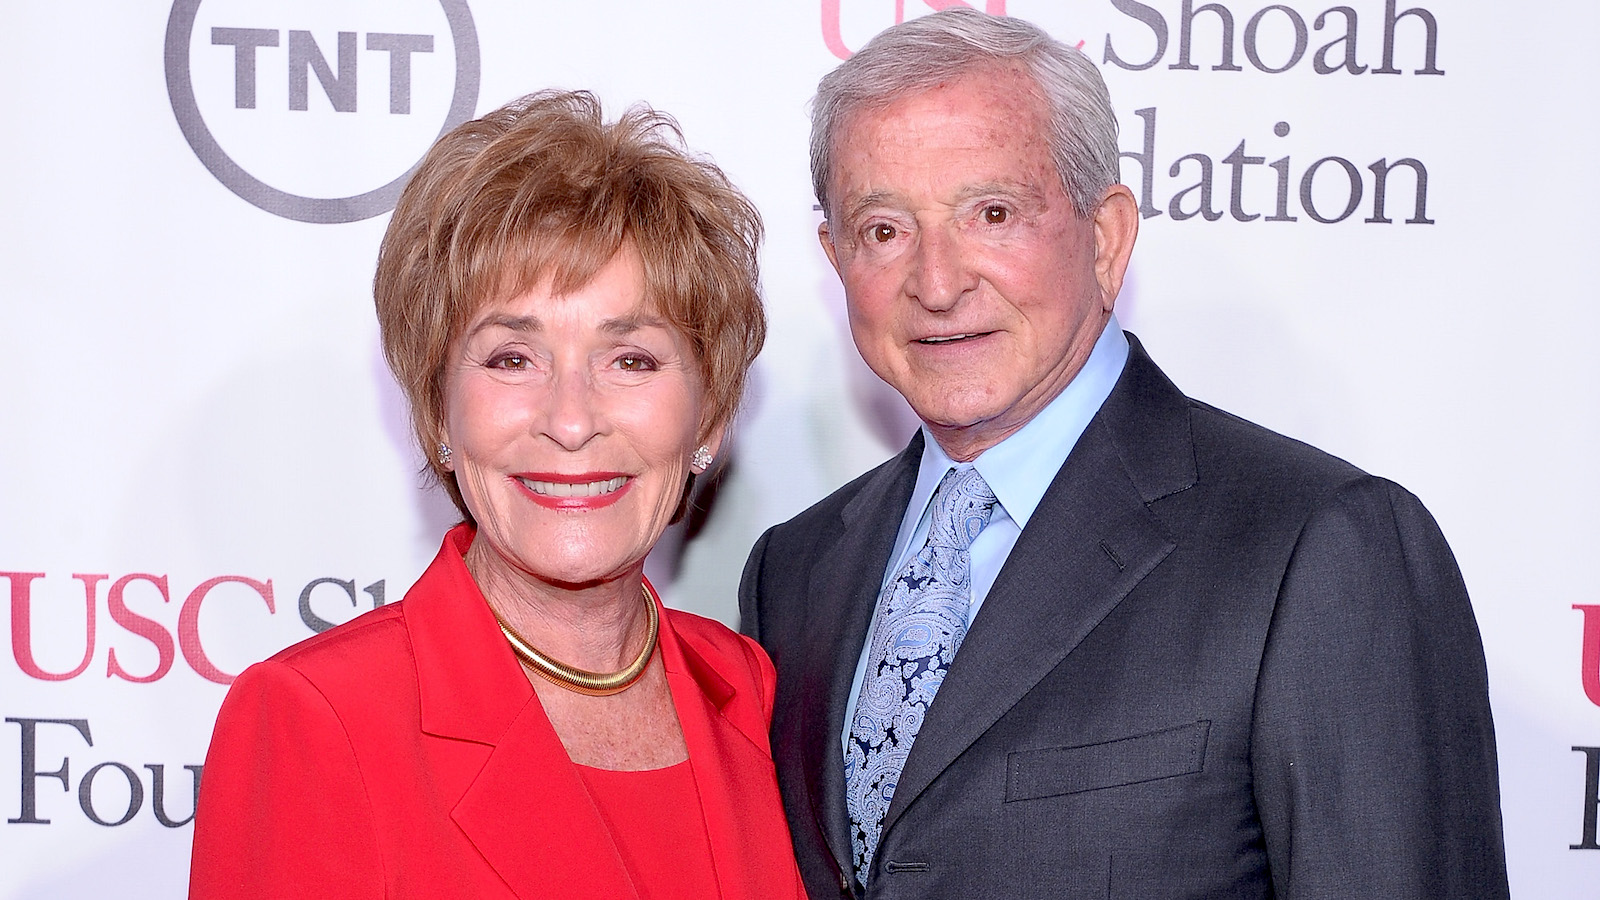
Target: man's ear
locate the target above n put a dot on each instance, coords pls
(825, 237)
(1116, 226)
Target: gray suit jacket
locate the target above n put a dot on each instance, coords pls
(1218, 663)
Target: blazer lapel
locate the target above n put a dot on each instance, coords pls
(725, 731)
(843, 592)
(1092, 539)
(526, 810)
(531, 817)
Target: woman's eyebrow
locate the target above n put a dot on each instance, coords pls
(630, 323)
(513, 323)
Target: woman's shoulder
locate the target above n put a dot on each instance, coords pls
(734, 656)
(708, 633)
(346, 655)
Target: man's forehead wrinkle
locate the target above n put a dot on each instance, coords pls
(909, 148)
(1024, 190)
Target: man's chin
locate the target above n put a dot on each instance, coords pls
(964, 433)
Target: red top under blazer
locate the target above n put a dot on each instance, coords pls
(404, 754)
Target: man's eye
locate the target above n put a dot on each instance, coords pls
(994, 215)
(881, 233)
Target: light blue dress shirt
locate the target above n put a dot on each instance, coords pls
(1019, 470)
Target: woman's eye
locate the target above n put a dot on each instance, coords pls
(994, 215)
(881, 233)
(632, 363)
(510, 361)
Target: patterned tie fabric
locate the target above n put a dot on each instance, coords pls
(922, 617)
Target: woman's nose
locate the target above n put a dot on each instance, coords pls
(573, 417)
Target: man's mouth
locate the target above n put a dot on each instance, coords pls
(579, 489)
(951, 338)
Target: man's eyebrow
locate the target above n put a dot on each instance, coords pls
(865, 202)
(1018, 190)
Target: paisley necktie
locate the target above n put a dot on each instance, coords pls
(922, 617)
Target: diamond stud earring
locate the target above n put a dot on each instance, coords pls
(701, 460)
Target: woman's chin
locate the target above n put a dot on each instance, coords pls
(571, 566)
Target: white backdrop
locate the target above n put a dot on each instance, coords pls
(202, 455)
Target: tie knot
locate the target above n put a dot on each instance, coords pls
(961, 509)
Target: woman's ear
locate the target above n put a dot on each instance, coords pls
(705, 453)
(442, 453)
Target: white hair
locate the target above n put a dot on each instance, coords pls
(917, 55)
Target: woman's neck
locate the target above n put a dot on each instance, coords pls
(598, 626)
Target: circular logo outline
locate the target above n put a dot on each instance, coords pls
(315, 210)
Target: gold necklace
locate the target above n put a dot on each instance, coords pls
(594, 684)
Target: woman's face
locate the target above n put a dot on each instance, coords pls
(571, 420)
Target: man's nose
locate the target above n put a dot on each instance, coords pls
(939, 274)
(573, 416)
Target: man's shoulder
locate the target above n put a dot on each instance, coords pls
(1256, 487)
(1238, 456)
(1220, 435)
(1170, 443)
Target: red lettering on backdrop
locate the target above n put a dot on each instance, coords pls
(22, 624)
(148, 629)
(189, 624)
(834, 37)
(1591, 651)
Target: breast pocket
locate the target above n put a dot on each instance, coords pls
(1054, 771)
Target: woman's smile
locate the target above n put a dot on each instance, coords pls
(586, 491)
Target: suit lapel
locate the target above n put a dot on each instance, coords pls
(1092, 539)
(843, 592)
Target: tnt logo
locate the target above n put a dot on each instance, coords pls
(319, 111)
(306, 57)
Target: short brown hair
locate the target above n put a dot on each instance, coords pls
(543, 188)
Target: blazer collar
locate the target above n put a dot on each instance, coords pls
(884, 487)
(1146, 419)
(730, 754)
(527, 810)
(471, 686)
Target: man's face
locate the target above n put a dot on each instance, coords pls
(973, 288)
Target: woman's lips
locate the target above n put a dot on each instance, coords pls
(586, 491)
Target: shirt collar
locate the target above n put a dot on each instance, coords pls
(1020, 468)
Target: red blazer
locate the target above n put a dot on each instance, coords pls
(404, 754)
